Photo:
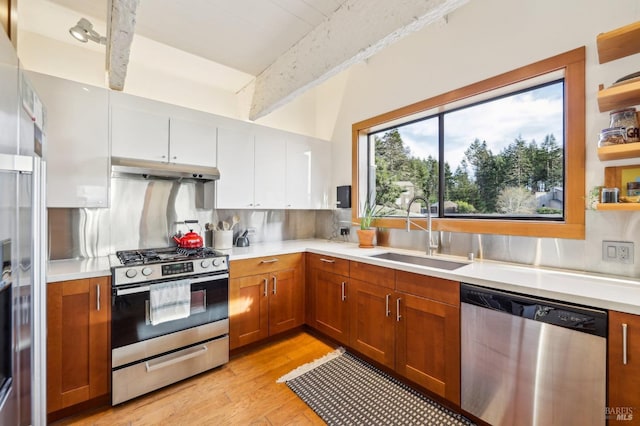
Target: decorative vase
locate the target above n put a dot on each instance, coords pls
(365, 237)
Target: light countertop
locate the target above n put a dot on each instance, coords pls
(75, 269)
(602, 291)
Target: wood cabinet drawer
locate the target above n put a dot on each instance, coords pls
(372, 274)
(328, 263)
(433, 288)
(264, 265)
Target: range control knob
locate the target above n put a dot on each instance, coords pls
(131, 273)
(146, 271)
(217, 261)
(204, 263)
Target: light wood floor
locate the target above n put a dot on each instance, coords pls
(242, 392)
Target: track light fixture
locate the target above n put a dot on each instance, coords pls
(83, 31)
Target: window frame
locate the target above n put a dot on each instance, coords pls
(573, 225)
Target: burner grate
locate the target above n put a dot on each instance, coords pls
(147, 256)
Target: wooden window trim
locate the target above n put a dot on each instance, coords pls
(573, 64)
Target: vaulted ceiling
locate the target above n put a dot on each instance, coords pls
(288, 45)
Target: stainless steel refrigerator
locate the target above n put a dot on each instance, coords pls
(22, 247)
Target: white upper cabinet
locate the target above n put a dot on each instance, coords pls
(77, 129)
(192, 142)
(308, 173)
(155, 131)
(139, 134)
(236, 166)
(270, 176)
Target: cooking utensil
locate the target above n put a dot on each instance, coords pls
(235, 220)
(225, 225)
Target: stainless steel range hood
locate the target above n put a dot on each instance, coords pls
(152, 169)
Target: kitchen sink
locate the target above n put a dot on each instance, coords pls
(421, 261)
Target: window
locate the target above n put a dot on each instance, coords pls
(502, 156)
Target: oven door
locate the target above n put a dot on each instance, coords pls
(130, 307)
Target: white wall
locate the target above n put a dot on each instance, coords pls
(485, 38)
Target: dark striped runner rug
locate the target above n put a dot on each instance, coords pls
(345, 390)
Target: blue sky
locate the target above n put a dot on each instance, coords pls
(531, 115)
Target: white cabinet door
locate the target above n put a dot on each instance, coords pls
(308, 168)
(236, 165)
(139, 134)
(192, 142)
(270, 175)
(78, 172)
(321, 188)
(298, 187)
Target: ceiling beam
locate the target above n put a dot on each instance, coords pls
(121, 27)
(353, 33)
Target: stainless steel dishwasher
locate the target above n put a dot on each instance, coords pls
(530, 361)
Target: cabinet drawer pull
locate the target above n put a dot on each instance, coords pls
(97, 297)
(624, 344)
(275, 285)
(274, 260)
(344, 293)
(388, 311)
(398, 316)
(266, 287)
(322, 259)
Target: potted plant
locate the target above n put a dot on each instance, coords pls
(365, 233)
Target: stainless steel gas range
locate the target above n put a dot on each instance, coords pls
(169, 317)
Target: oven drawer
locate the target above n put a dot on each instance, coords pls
(155, 373)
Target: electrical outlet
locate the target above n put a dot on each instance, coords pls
(344, 230)
(251, 231)
(617, 251)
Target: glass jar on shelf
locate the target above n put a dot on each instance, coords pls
(612, 136)
(626, 118)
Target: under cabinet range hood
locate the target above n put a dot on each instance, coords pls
(154, 169)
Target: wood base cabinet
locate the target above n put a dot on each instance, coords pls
(267, 303)
(373, 321)
(428, 333)
(624, 369)
(328, 279)
(78, 345)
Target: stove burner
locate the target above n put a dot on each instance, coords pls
(147, 256)
(195, 252)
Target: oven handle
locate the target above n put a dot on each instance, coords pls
(145, 288)
(191, 353)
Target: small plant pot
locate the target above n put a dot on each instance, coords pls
(365, 238)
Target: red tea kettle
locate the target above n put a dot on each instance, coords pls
(189, 240)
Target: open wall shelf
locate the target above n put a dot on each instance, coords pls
(618, 43)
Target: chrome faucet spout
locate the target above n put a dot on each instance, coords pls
(431, 248)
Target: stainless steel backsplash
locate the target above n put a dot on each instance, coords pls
(146, 213)
(580, 255)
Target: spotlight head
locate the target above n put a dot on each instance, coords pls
(83, 31)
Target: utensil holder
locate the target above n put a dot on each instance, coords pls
(222, 240)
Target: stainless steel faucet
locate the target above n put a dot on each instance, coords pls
(431, 248)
